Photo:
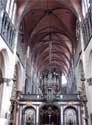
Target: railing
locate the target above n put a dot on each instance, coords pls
(7, 29)
(39, 97)
(35, 97)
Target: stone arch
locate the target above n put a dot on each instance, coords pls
(55, 104)
(4, 61)
(70, 115)
(29, 106)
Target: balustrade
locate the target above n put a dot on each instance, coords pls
(39, 97)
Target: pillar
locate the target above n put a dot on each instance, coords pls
(61, 115)
(5, 105)
(37, 115)
(85, 89)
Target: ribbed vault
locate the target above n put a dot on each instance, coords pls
(50, 29)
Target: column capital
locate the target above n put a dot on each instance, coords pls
(5, 80)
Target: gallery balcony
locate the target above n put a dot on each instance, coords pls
(41, 98)
(7, 29)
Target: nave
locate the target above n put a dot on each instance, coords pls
(45, 62)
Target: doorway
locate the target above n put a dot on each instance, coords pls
(28, 116)
(49, 115)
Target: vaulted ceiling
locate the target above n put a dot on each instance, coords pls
(50, 30)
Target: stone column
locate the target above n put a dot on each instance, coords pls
(85, 89)
(61, 115)
(37, 115)
(6, 102)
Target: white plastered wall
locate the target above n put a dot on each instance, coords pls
(8, 73)
(88, 74)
